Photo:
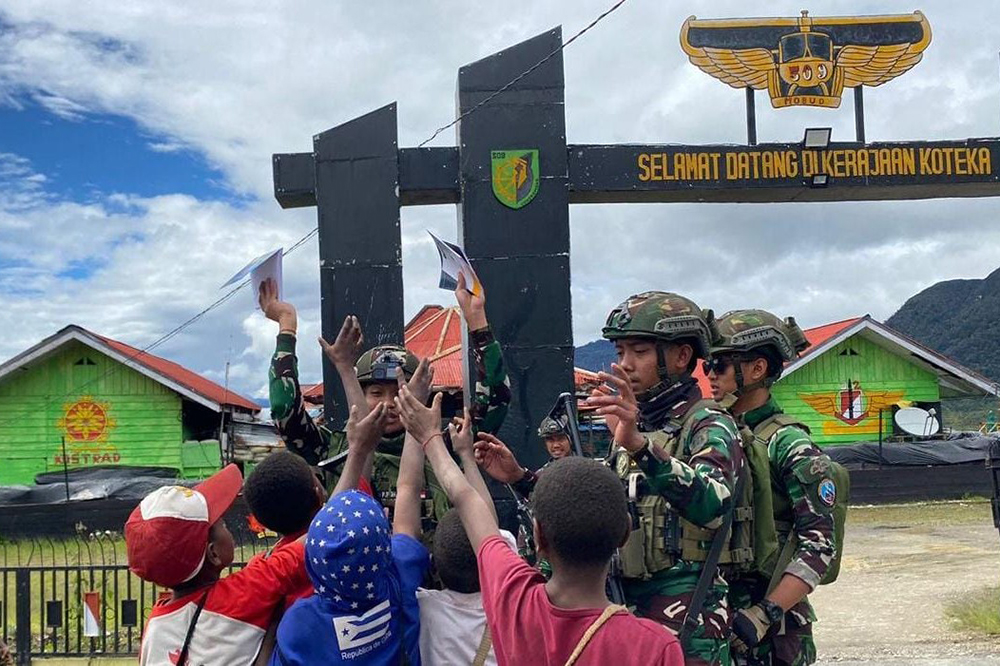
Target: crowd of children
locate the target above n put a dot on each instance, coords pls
(343, 585)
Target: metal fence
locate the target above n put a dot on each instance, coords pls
(50, 585)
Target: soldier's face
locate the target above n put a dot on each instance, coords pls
(721, 377)
(385, 393)
(557, 446)
(637, 357)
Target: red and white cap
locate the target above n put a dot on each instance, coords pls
(166, 536)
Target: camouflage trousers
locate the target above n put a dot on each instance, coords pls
(667, 600)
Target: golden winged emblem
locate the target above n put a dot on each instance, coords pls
(806, 61)
(850, 406)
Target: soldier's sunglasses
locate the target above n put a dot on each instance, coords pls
(716, 364)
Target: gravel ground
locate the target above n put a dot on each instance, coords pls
(901, 568)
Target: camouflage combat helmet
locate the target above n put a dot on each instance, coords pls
(662, 316)
(383, 364)
(550, 427)
(741, 331)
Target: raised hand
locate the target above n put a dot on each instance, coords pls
(473, 307)
(617, 404)
(460, 431)
(275, 310)
(498, 461)
(347, 348)
(419, 420)
(421, 381)
(363, 434)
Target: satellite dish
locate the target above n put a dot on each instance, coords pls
(916, 421)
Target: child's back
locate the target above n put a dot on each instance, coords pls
(452, 620)
(365, 580)
(529, 629)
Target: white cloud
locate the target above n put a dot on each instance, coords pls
(236, 81)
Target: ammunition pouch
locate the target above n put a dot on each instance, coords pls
(660, 537)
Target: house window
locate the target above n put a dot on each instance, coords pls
(84, 361)
(849, 352)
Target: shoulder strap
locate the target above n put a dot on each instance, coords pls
(711, 562)
(182, 658)
(483, 651)
(765, 429)
(591, 630)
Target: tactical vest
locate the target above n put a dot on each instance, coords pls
(813, 482)
(660, 536)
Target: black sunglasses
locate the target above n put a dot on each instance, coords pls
(716, 364)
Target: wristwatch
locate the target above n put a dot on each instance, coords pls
(643, 456)
(773, 611)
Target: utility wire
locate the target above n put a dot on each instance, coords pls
(178, 329)
(162, 339)
(523, 74)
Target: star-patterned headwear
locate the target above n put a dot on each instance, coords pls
(348, 552)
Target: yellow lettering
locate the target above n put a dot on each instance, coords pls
(732, 166)
(644, 167)
(704, 170)
(656, 166)
(715, 165)
(767, 164)
(863, 166)
(985, 167)
(809, 163)
(691, 166)
(791, 164)
(850, 163)
(961, 161)
(946, 154)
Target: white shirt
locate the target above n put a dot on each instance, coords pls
(452, 624)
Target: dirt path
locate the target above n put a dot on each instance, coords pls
(902, 567)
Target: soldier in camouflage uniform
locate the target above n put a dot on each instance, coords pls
(499, 462)
(773, 617)
(686, 448)
(372, 380)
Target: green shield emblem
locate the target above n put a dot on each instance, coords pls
(515, 176)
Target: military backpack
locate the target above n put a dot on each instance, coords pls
(829, 484)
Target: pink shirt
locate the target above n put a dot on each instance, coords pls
(528, 629)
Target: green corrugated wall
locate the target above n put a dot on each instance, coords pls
(812, 392)
(145, 417)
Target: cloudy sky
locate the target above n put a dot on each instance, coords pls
(135, 172)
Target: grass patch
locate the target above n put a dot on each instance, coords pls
(979, 612)
(922, 513)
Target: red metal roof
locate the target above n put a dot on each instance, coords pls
(192, 380)
(816, 336)
(435, 333)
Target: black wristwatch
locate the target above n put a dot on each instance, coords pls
(643, 456)
(773, 611)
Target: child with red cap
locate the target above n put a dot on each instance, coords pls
(176, 538)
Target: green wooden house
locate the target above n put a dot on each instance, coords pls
(113, 405)
(860, 369)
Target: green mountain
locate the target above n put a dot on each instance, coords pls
(958, 318)
(596, 356)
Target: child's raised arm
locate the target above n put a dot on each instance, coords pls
(461, 441)
(410, 483)
(362, 437)
(424, 424)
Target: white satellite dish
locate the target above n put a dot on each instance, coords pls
(916, 421)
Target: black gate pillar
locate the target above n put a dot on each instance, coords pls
(522, 255)
(357, 196)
